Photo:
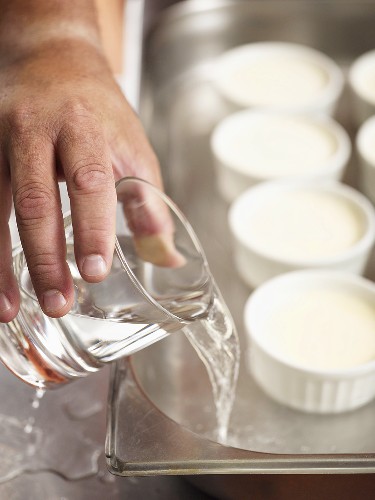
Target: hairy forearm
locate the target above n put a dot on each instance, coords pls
(28, 24)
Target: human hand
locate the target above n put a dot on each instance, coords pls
(62, 116)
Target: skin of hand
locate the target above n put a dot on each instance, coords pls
(62, 116)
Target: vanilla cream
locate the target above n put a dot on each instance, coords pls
(266, 145)
(323, 329)
(303, 225)
(363, 76)
(366, 140)
(276, 79)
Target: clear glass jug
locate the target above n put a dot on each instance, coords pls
(159, 281)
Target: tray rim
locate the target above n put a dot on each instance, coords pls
(215, 458)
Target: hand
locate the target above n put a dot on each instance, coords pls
(62, 116)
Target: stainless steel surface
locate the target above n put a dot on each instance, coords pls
(15, 397)
(161, 407)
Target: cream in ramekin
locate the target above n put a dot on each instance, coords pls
(251, 146)
(362, 84)
(279, 75)
(312, 340)
(282, 226)
(365, 145)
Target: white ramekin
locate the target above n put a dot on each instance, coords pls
(365, 145)
(323, 100)
(234, 173)
(362, 84)
(255, 265)
(310, 390)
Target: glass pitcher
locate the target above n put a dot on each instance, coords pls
(155, 287)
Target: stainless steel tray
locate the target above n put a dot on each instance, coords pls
(161, 405)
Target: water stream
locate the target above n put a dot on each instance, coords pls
(215, 340)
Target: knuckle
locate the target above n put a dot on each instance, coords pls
(5, 274)
(33, 203)
(76, 116)
(21, 118)
(77, 107)
(77, 111)
(96, 229)
(95, 234)
(91, 176)
(43, 267)
(82, 135)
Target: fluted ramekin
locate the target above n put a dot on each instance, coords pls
(291, 383)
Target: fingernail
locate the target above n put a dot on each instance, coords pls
(94, 265)
(5, 305)
(53, 301)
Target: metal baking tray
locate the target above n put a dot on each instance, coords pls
(161, 408)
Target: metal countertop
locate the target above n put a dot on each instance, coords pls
(52, 417)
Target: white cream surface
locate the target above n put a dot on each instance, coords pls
(303, 225)
(275, 79)
(323, 329)
(271, 146)
(366, 139)
(365, 80)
